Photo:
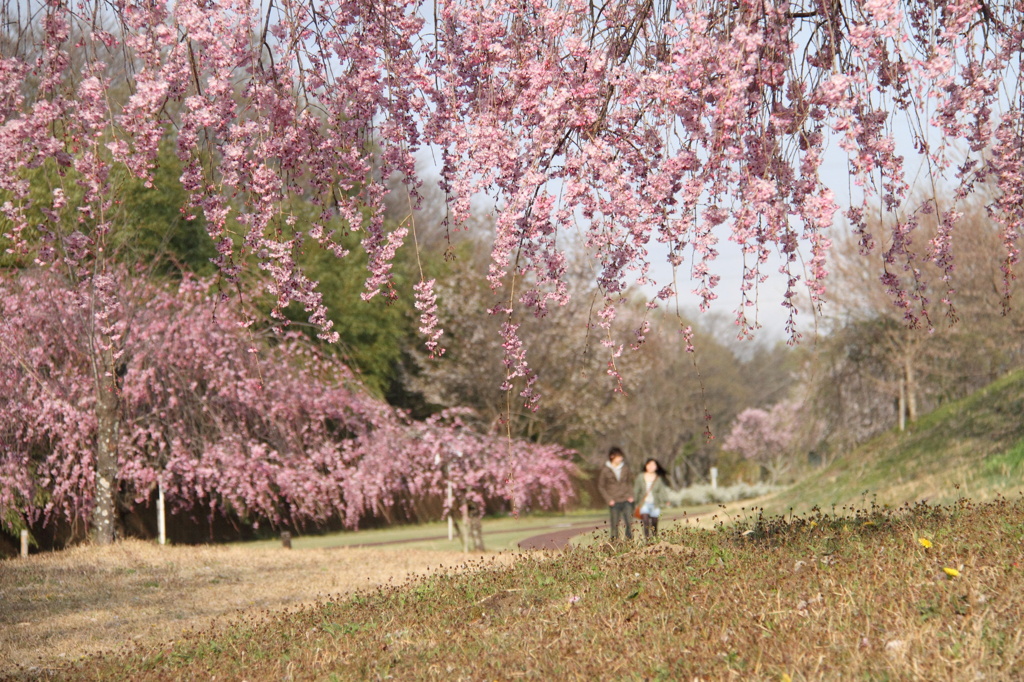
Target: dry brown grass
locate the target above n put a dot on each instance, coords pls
(55, 608)
(856, 595)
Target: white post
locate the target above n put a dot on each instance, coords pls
(24, 543)
(451, 521)
(714, 477)
(161, 514)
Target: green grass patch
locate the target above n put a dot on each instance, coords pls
(972, 448)
(500, 533)
(1007, 466)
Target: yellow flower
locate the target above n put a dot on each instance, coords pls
(786, 678)
(951, 572)
(925, 542)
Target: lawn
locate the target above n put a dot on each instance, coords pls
(58, 607)
(917, 592)
(834, 578)
(500, 533)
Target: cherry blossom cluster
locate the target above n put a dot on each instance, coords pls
(777, 438)
(639, 125)
(225, 419)
(426, 303)
(481, 467)
(682, 122)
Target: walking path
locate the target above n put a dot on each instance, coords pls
(559, 539)
(556, 536)
(579, 526)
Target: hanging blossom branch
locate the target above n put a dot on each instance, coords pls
(647, 123)
(700, 118)
(267, 104)
(426, 303)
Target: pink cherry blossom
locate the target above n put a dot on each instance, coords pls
(266, 429)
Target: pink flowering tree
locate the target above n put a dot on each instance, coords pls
(777, 439)
(223, 419)
(643, 127)
(636, 123)
(473, 469)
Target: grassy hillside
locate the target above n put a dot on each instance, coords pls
(972, 448)
(873, 589)
(923, 593)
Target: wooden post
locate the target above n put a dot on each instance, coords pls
(161, 514)
(24, 543)
(286, 539)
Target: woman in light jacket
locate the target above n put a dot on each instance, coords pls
(651, 493)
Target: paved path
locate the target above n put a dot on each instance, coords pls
(579, 526)
(559, 539)
(551, 540)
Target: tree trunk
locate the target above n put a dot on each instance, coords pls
(107, 431)
(901, 405)
(908, 372)
(464, 529)
(471, 529)
(161, 513)
(476, 528)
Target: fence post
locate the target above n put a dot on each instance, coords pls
(161, 513)
(451, 521)
(24, 543)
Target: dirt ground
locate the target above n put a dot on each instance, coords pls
(57, 607)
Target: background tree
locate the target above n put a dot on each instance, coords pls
(224, 418)
(843, 377)
(778, 439)
(882, 365)
(569, 369)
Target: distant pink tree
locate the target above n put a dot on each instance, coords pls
(777, 439)
(481, 467)
(264, 428)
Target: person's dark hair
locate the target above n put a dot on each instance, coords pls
(660, 471)
(616, 450)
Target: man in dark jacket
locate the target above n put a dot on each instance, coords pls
(615, 485)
